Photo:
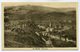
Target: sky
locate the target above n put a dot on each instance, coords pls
(48, 4)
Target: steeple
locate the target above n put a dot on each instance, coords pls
(50, 22)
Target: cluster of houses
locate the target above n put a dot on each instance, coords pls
(22, 25)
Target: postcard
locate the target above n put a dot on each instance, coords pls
(39, 25)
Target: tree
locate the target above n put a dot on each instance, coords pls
(6, 19)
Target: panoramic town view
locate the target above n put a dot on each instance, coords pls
(29, 26)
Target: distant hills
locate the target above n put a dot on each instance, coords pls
(40, 13)
(39, 8)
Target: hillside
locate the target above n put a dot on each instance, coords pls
(40, 13)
